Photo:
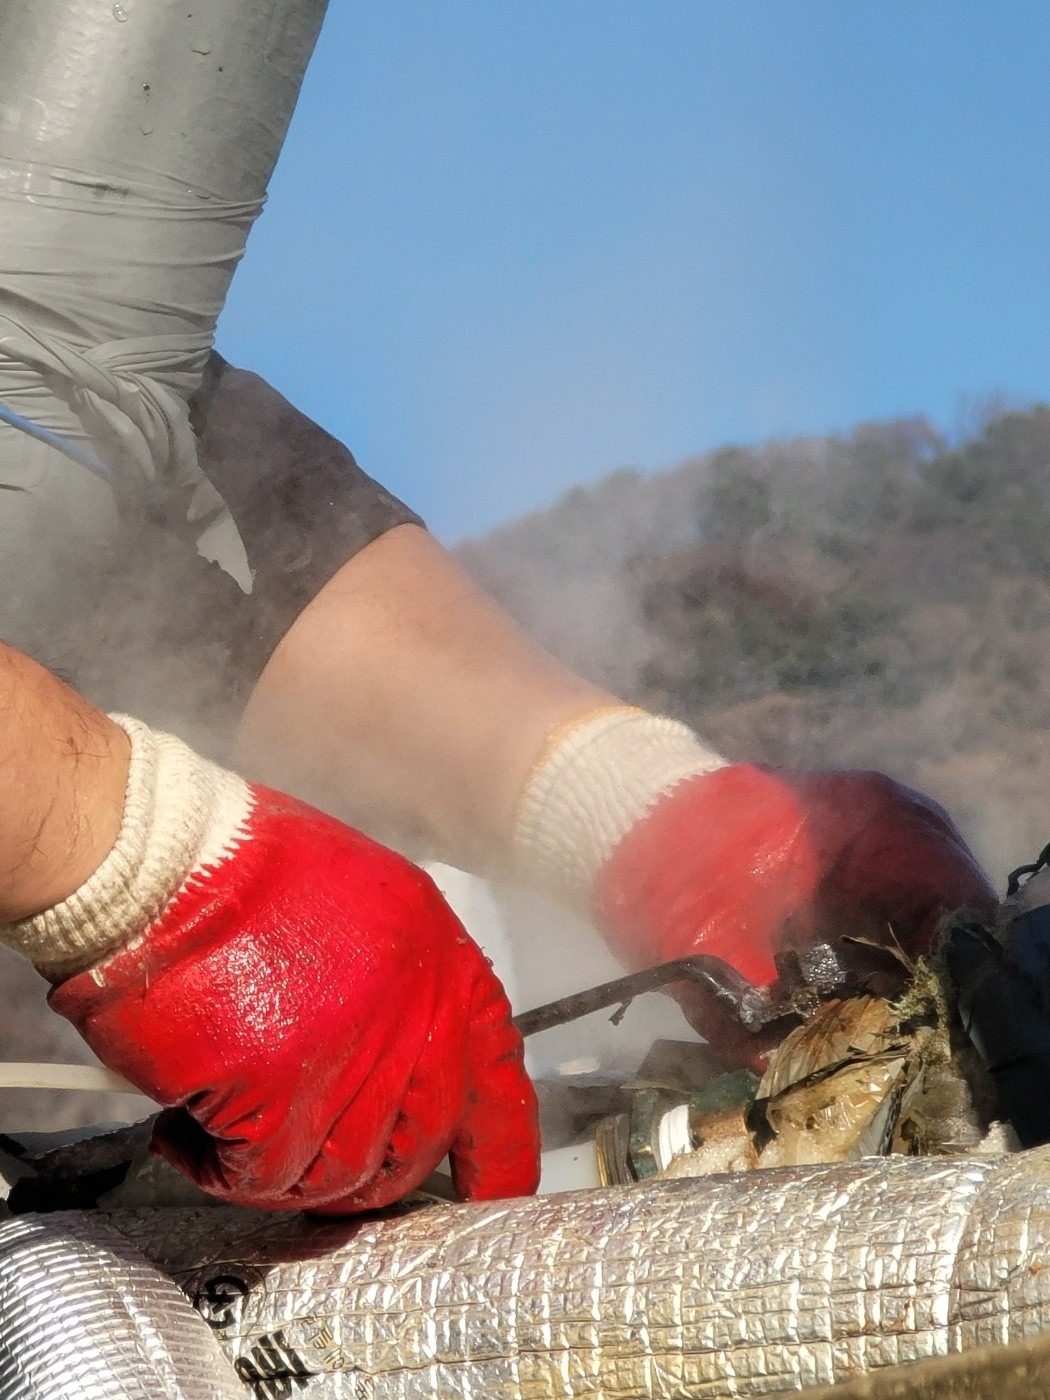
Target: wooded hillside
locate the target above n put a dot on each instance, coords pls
(881, 599)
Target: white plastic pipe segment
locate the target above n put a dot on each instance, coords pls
(136, 143)
(16, 1074)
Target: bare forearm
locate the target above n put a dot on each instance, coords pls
(63, 768)
(408, 701)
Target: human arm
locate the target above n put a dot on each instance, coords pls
(472, 741)
(317, 1023)
(403, 673)
(64, 768)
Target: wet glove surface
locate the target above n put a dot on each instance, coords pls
(746, 863)
(318, 1023)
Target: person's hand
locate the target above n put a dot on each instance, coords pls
(318, 1023)
(746, 863)
(673, 852)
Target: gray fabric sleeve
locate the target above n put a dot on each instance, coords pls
(300, 501)
(121, 603)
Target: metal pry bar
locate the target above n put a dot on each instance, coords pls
(751, 1007)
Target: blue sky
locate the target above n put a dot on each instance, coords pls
(515, 244)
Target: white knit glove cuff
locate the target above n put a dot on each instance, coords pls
(181, 814)
(594, 780)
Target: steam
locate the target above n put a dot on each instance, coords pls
(542, 952)
(876, 600)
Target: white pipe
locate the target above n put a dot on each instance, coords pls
(92, 1079)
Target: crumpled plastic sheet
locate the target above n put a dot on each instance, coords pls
(719, 1288)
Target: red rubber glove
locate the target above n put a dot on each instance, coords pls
(745, 862)
(315, 1017)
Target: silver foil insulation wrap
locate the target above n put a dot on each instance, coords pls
(83, 1314)
(756, 1284)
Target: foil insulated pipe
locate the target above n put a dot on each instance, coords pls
(83, 1314)
(1017, 1371)
(717, 1288)
(136, 144)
